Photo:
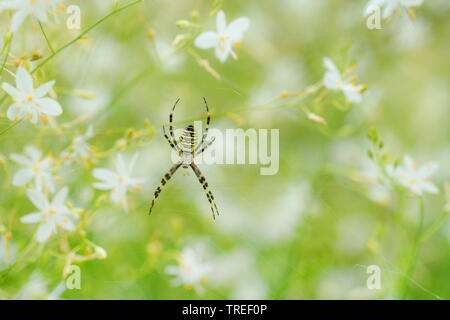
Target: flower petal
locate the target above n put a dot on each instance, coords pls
(429, 187)
(43, 232)
(20, 159)
(428, 169)
(34, 153)
(37, 198)
(34, 217)
(222, 53)
(329, 64)
(207, 40)
(22, 177)
(49, 106)
(106, 175)
(17, 20)
(15, 112)
(13, 92)
(60, 197)
(24, 82)
(237, 27)
(221, 22)
(44, 89)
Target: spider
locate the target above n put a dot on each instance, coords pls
(187, 150)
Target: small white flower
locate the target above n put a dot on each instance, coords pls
(193, 268)
(335, 81)
(30, 102)
(52, 216)
(391, 6)
(24, 8)
(37, 289)
(34, 167)
(79, 147)
(119, 181)
(225, 39)
(413, 178)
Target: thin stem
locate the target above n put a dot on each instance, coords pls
(83, 33)
(11, 126)
(46, 38)
(415, 252)
(6, 57)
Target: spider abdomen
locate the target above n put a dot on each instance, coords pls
(188, 139)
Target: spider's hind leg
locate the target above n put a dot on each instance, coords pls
(205, 186)
(164, 180)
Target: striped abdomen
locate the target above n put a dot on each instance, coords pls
(188, 140)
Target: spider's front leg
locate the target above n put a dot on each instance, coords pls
(208, 119)
(171, 123)
(204, 146)
(172, 143)
(164, 180)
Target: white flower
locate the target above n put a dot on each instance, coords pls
(391, 6)
(79, 147)
(34, 167)
(52, 216)
(225, 39)
(193, 268)
(28, 101)
(119, 181)
(24, 8)
(37, 288)
(413, 178)
(335, 81)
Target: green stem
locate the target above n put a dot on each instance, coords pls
(6, 57)
(11, 126)
(83, 33)
(415, 253)
(46, 38)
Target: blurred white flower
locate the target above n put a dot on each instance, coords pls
(24, 8)
(119, 181)
(413, 178)
(79, 147)
(193, 269)
(335, 81)
(34, 167)
(238, 270)
(226, 38)
(391, 6)
(52, 216)
(28, 101)
(36, 289)
(7, 256)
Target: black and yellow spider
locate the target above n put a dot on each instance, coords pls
(187, 150)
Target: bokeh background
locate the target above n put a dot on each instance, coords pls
(308, 232)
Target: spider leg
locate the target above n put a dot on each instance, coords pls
(205, 186)
(207, 122)
(174, 141)
(205, 146)
(164, 180)
(174, 146)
